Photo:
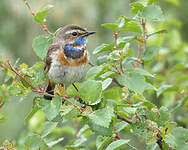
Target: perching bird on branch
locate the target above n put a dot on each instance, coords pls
(67, 57)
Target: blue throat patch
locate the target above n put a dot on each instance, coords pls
(80, 40)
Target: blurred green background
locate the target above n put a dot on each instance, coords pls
(17, 30)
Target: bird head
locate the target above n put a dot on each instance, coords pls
(73, 38)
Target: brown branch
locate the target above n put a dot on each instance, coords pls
(124, 119)
(143, 46)
(33, 14)
(39, 91)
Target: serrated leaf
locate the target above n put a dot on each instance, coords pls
(153, 13)
(90, 91)
(117, 144)
(102, 141)
(120, 126)
(151, 52)
(40, 16)
(65, 109)
(132, 26)
(130, 80)
(102, 117)
(103, 48)
(111, 26)
(48, 127)
(51, 110)
(99, 130)
(40, 45)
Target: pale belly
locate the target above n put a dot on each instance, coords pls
(66, 75)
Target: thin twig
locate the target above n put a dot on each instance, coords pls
(33, 14)
(91, 64)
(115, 39)
(39, 91)
(143, 46)
(124, 119)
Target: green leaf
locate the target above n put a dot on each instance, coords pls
(164, 116)
(130, 80)
(52, 143)
(106, 83)
(143, 72)
(30, 115)
(99, 130)
(51, 110)
(158, 32)
(121, 22)
(48, 127)
(174, 2)
(71, 91)
(33, 142)
(90, 91)
(121, 125)
(111, 26)
(132, 26)
(152, 1)
(114, 93)
(180, 104)
(40, 45)
(40, 16)
(103, 48)
(153, 13)
(102, 141)
(177, 139)
(137, 7)
(151, 52)
(2, 117)
(162, 89)
(117, 144)
(102, 117)
(94, 71)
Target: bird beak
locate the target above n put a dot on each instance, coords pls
(89, 33)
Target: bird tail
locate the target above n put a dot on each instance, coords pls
(49, 90)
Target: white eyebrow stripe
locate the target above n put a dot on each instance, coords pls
(70, 31)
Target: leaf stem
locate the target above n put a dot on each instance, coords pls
(33, 14)
(143, 46)
(124, 119)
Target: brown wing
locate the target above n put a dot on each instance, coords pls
(51, 49)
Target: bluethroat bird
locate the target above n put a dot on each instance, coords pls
(67, 57)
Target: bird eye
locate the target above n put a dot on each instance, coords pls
(74, 33)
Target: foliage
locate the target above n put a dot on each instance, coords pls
(119, 90)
